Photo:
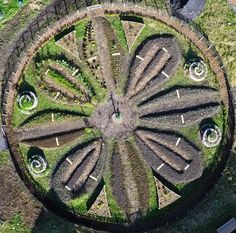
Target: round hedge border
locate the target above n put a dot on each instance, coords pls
(200, 41)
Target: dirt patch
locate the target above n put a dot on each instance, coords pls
(116, 118)
(117, 180)
(51, 129)
(76, 169)
(132, 29)
(61, 140)
(116, 52)
(140, 176)
(15, 198)
(100, 206)
(165, 195)
(155, 60)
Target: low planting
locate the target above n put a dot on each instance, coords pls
(143, 173)
(116, 51)
(79, 72)
(117, 214)
(119, 30)
(139, 173)
(79, 204)
(68, 78)
(155, 60)
(81, 29)
(117, 181)
(60, 80)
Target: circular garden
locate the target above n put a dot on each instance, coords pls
(118, 120)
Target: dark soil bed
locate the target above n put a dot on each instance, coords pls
(15, 198)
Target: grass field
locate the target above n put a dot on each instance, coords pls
(218, 21)
(13, 7)
(16, 224)
(4, 157)
(10, 8)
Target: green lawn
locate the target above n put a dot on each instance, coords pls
(79, 204)
(15, 225)
(4, 157)
(81, 29)
(118, 28)
(218, 21)
(10, 8)
(13, 7)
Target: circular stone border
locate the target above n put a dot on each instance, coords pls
(211, 129)
(37, 161)
(194, 72)
(31, 96)
(176, 24)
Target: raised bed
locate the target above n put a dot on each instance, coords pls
(154, 62)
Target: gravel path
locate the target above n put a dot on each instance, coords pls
(3, 145)
(192, 9)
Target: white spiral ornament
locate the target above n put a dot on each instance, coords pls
(211, 136)
(37, 164)
(198, 71)
(27, 97)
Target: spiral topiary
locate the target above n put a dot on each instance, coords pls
(37, 164)
(211, 136)
(198, 71)
(27, 101)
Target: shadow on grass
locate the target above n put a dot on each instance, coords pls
(190, 55)
(25, 86)
(49, 222)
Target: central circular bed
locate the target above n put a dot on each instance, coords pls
(112, 124)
